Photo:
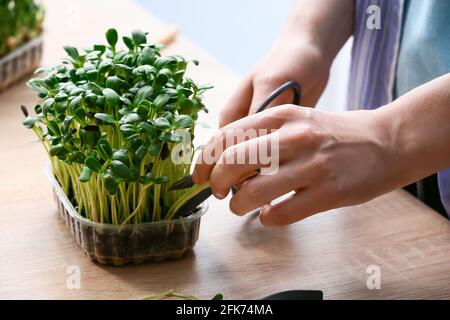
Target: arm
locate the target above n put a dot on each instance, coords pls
(331, 159)
(314, 33)
(418, 128)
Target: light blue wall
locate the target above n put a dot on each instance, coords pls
(239, 32)
(236, 32)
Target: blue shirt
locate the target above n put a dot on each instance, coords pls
(425, 44)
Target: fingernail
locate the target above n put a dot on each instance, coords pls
(264, 221)
(220, 196)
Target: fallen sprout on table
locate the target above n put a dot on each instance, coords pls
(110, 119)
(172, 294)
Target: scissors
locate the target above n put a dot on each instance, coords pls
(187, 181)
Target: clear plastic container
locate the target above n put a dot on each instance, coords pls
(22, 61)
(129, 244)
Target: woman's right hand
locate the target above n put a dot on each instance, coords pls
(288, 60)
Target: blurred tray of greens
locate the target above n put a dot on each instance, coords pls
(20, 39)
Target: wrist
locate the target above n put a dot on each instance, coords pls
(397, 146)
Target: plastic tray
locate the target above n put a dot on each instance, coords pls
(22, 61)
(129, 244)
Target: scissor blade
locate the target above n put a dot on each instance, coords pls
(194, 202)
(183, 183)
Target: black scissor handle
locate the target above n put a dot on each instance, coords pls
(295, 86)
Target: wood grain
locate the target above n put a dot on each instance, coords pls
(236, 256)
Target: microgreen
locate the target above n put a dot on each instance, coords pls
(109, 119)
(21, 21)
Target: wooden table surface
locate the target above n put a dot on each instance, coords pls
(236, 256)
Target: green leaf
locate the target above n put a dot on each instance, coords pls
(139, 37)
(66, 123)
(162, 61)
(77, 157)
(73, 53)
(75, 103)
(186, 106)
(162, 123)
(128, 128)
(130, 118)
(51, 81)
(161, 100)
(112, 98)
(105, 65)
(120, 169)
(85, 175)
(147, 56)
(29, 122)
(41, 70)
(155, 148)
(121, 155)
(170, 137)
(148, 70)
(93, 55)
(55, 150)
(163, 76)
(143, 93)
(37, 85)
(112, 37)
(100, 47)
(61, 96)
(80, 113)
(93, 164)
(114, 83)
(161, 180)
(106, 118)
(90, 135)
(183, 121)
(111, 184)
(148, 178)
(128, 42)
(142, 110)
(148, 129)
(218, 296)
(106, 149)
(134, 175)
(91, 75)
(53, 127)
(140, 153)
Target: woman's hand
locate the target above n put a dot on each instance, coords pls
(297, 61)
(329, 160)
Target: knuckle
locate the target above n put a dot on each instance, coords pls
(254, 193)
(310, 135)
(229, 156)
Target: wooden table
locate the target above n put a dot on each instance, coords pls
(236, 256)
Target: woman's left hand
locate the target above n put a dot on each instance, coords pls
(328, 159)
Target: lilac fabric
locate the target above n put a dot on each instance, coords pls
(374, 55)
(374, 61)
